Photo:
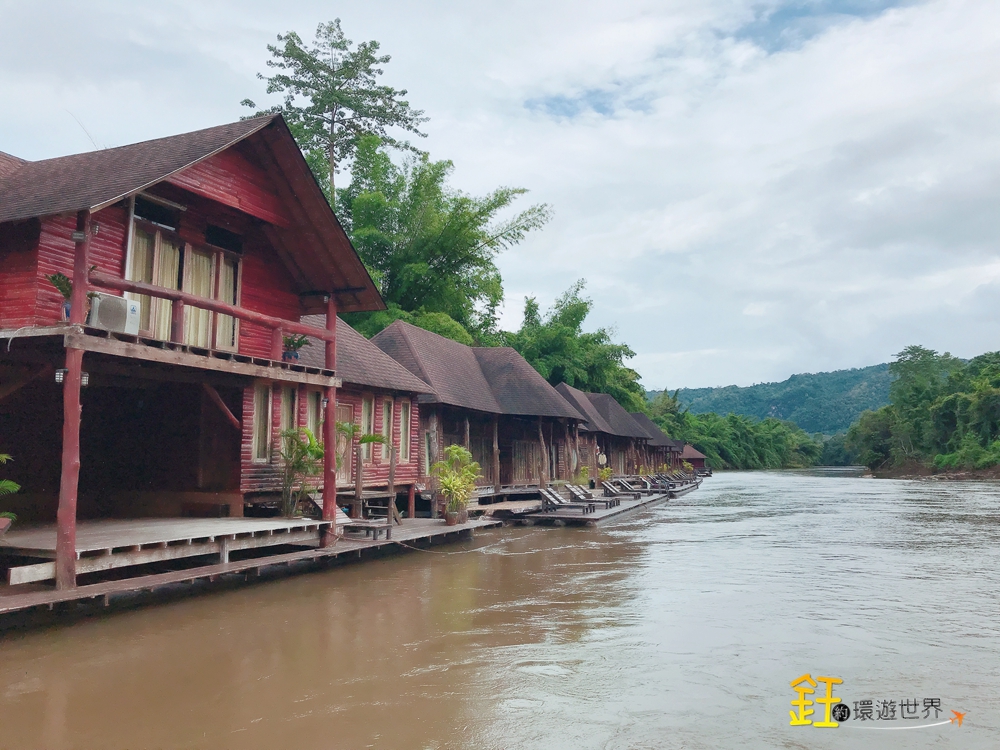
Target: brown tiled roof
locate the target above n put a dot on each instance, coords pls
(579, 401)
(9, 164)
(691, 452)
(619, 420)
(359, 361)
(450, 368)
(496, 380)
(100, 178)
(657, 437)
(518, 387)
(314, 248)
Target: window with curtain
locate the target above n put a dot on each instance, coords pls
(404, 432)
(314, 413)
(157, 257)
(367, 425)
(261, 423)
(386, 427)
(287, 420)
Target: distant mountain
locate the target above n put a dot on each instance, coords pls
(827, 402)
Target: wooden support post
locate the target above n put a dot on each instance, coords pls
(435, 455)
(330, 465)
(544, 458)
(224, 550)
(466, 440)
(277, 343)
(576, 443)
(568, 452)
(391, 506)
(177, 322)
(331, 326)
(496, 453)
(217, 400)
(359, 484)
(411, 501)
(70, 473)
(81, 269)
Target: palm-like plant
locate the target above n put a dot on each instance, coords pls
(302, 457)
(457, 475)
(7, 487)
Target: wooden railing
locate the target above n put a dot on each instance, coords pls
(181, 300)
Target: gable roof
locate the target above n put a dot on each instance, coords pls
(450, 368)
(359, 361)
(691, 452)
(314, 248)
(579, 401)
(518, 387)
(496, 380)
(618, 419)
(658, 437)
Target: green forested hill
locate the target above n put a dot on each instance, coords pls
(827, 402)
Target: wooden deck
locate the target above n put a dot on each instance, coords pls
(108, 544)
(576, 517)
(417, 532)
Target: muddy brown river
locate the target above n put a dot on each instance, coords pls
(682, 626)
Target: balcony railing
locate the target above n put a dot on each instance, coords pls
(181, 300)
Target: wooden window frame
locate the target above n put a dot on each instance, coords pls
(405, 432)
(366, 449)
(314, 418)
(387, 426)
(257, 426)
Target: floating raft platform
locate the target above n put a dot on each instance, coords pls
(412, 533)
(575, 517)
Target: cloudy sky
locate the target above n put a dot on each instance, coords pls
(752, 188)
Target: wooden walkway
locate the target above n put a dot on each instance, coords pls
(412, 533)
(573, 516)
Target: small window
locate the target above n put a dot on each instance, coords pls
(261, 423)
(404, 432)
(314, 413)
(367, 425)
(386, 428)
(223, 238)
(156, 213)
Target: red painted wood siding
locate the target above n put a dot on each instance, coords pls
(18, 271)
(234, 179)
(266, 288)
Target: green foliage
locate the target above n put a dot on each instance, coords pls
(557, 346)
(332, 98)
(582, 474)
(603, 475)
(736, 441)
(302, 458)
(62, 283)
(8, 487)
(826, 402)
(369, 324)
(943, 413)
(835, 451)
(294, 343)
(457, 474)
(430, 248)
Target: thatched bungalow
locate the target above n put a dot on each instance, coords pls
(661, 450)
(609, 436)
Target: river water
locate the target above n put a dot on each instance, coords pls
(679, 627)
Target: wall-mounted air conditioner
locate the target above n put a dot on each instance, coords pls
(113, 313)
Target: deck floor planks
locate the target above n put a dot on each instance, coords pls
(412, 530)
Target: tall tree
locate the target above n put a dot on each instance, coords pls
(431, 248)
(333, 98)
(557, 346)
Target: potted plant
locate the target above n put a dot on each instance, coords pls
(604, 474)
(302, 458)
(292, 346)
(7, 487)
(65, 286)
(457, 475)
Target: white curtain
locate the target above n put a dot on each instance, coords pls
(198, 326)
(226, 325)
(167, 275)
(143, 245)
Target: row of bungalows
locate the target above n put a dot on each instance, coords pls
(161, 388)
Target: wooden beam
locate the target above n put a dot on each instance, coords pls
(217, 400)
(65, 565)
(76, 339)
(330, 465)
(175, 295)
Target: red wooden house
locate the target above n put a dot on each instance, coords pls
(489, 399)
(190, 257)
(380, 396)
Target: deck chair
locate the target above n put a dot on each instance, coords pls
(611, 491)
(581, 495)
(635, 490)
(557, 501)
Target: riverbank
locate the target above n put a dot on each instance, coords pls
(927, 473)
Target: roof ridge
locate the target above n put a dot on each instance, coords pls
(409, 345)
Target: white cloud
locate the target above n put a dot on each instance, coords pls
(749, 195)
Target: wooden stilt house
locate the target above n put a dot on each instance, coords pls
(661, 449)
(610, 437)
(158, 388)
(517, 427)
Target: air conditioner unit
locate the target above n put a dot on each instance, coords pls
(113, 313)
